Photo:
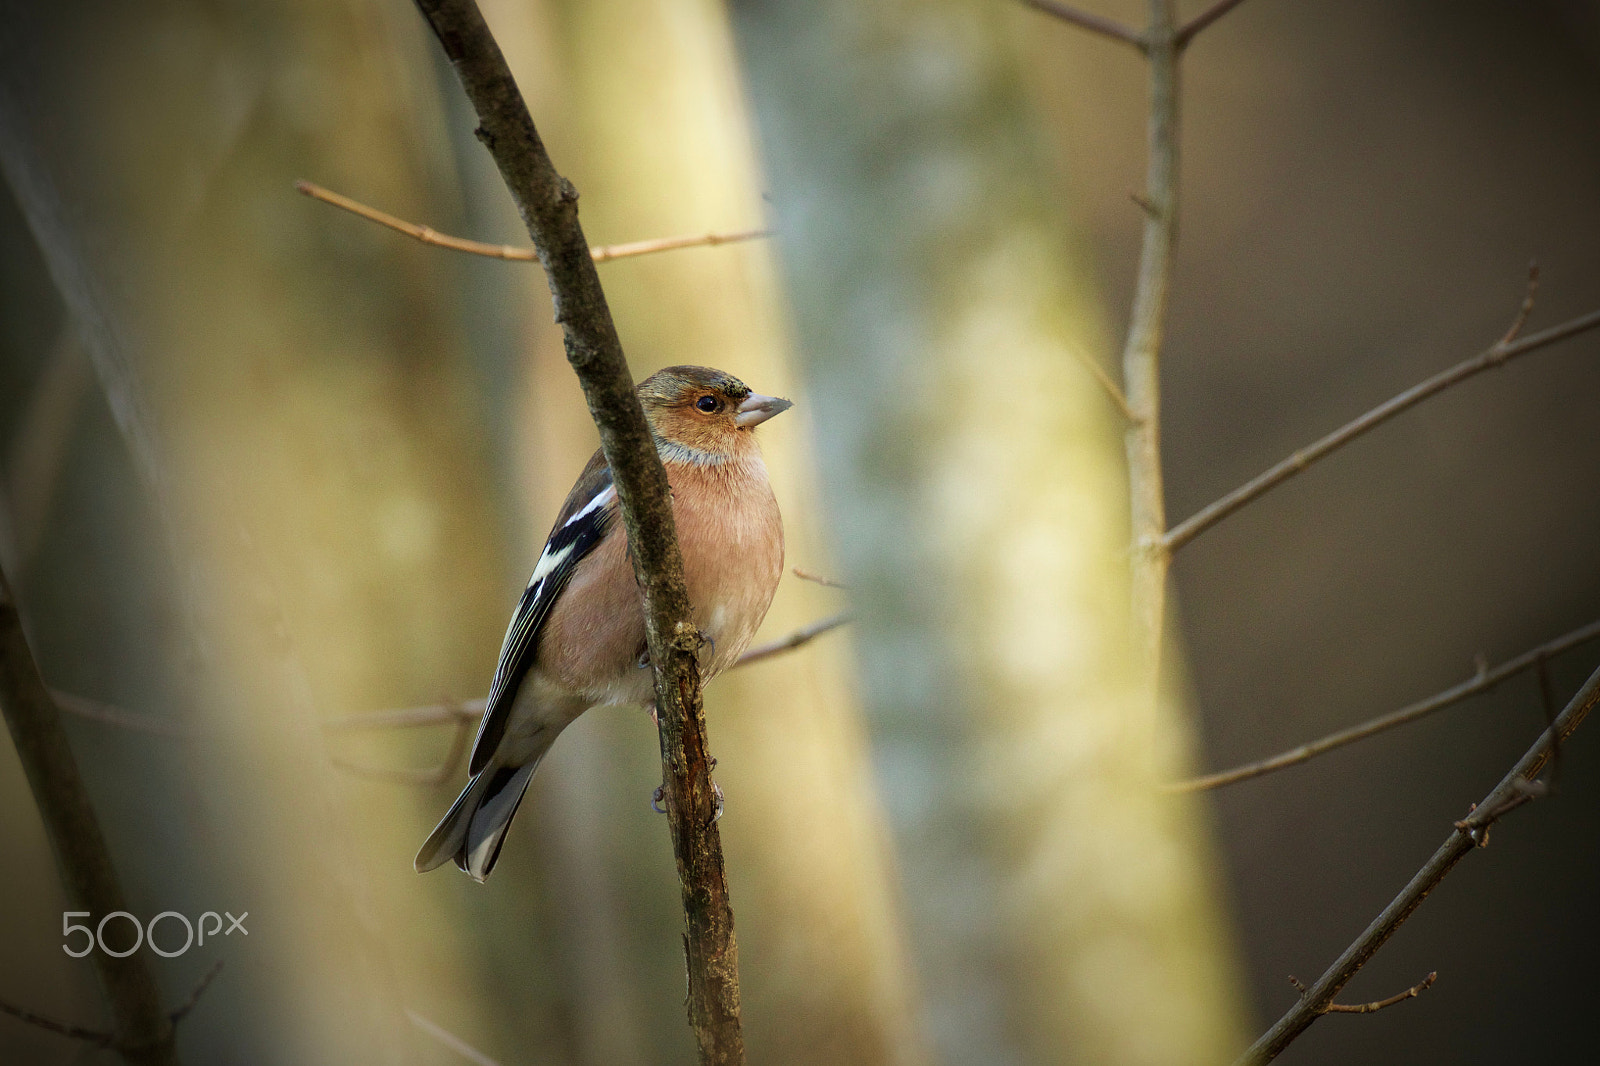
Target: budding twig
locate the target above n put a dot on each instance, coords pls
(1368, 1008)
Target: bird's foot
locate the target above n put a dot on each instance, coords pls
(658, 797)
(655, 718)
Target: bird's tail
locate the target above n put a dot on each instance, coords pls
(474, 828)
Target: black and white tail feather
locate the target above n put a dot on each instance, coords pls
(472, 832)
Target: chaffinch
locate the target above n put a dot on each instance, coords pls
(577, 638)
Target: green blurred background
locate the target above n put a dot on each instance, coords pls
(943, 838)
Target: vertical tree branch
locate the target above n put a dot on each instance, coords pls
(143, 1029)
(1141, 357)
(549, 207)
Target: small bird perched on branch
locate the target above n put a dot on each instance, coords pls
(577, 639)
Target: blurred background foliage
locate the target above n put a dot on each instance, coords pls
(943, 841)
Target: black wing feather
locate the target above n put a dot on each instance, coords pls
(581, 525)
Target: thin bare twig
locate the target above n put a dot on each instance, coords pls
(95, 1036)
(450, 1040)
(95, 710)
(601, 254)
(804, 635)
(818, 579)
(1483, 681)
(72, 1032)
(1204, 19)
(431, 777)
(450, 711)
(1111, 388)
(548, 204)
(1376, 1005)
(1547, 703)
(410, 717)
(1093, 23)
(181, 1011)
(1527, 305)
(1496, 355)
(607, 252)
(1464, 837)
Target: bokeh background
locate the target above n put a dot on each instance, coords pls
(944, 840)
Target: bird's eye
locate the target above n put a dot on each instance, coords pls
(706, 404)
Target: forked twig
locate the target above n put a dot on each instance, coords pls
(1483, 681)
(1368, 1008)
(601, 254)
(1527, 305)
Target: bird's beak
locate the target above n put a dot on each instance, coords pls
(756, 409)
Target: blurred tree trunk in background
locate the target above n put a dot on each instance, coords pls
(1063, 910)
(318, 419)
(639, 100)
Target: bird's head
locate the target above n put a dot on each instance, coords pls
(707, 413)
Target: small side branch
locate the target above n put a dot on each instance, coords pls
(1464, 837)
(799, 637)
(1500, 353)
(95, 1036)
(1483, 681)
(1204, 19)
(96, 711)
(427, 778)
(607, 252)
(71, 1032)
(1368, 1008)
(450, 1040)
(1109, 387)
(818, 579)
(181, 1011)
(600, 254)
(462, 713)
(1093, 23)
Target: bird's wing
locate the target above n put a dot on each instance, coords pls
(589, 512)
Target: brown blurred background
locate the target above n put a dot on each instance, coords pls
(1364, 185)
(363, 440)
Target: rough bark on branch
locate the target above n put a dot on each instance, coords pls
(548, 204)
